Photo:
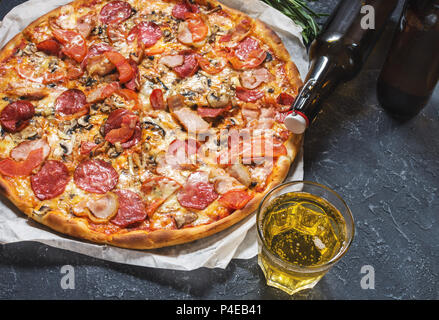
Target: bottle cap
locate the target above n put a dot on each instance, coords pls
(296, 122)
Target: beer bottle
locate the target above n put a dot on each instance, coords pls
(338, 54)
(411, 70)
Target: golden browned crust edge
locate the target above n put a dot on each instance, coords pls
(139, 239)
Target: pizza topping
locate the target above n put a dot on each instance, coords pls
(184, 219)
(74, 45)
(120, 126)
(209, 67)
(95, 50)
(260, 148)
(251, 79)
(85, 25)
(115, 12)
(189, 66)
(96, 176)
(131, 209)
(197, 193)
(157, 190)
(250, 112)
(71, 102)
(181, 154)
(51, 180)
(99, 65)
(126, 71)
(87, 147)
(16, 116)
(11, 168)
(266, 119)
(50, 47)
(247, 55)
(103, 208)
(134, 83)
(216, 100)
(102, 92)
(175, 102)
(285, 99)
(240, 173)
(125, 132)
(172, 61)
(197, 27)
(147, 34)
(248, 95)
(190, 120)
(235, 35)
(22, 151)
(235, 199)
(192, 31)
(181, 9)
(211, 112)
(156, 99)
(224, 183)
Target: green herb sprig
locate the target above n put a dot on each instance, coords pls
(300, 13)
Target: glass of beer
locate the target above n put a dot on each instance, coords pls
(304, 228)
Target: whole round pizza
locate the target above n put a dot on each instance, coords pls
(144, 124)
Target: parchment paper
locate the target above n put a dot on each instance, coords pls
(237, 242)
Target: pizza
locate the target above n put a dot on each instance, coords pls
(144, 124)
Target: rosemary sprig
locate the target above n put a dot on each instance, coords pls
(300, 13)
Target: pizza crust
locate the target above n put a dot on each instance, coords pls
(139, 239)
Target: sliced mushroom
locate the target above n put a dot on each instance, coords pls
(183, 219)
(240, 173)
(218, 100)
(84, 121)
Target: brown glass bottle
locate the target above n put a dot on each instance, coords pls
(337, 55)
(411, 70)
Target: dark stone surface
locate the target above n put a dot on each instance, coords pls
(387, 171)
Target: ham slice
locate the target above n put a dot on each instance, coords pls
(105, 207)
(223, 184)
(252, 79)
(190, 120)
(22, 151)
(172, 61)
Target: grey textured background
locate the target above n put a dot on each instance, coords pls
(387, 171)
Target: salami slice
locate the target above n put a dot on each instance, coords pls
(70, 102)
(115, 12)
(96, 176)
(147, 33)
(285, 99)
(131, 209)
(189, 67)
(16, 116)
(181, 9)
(197, 193)
(51, 180)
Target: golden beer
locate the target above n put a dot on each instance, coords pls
(302, 235)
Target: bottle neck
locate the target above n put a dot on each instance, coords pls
(321, 80)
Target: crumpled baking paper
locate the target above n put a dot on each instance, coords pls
(237, 242)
